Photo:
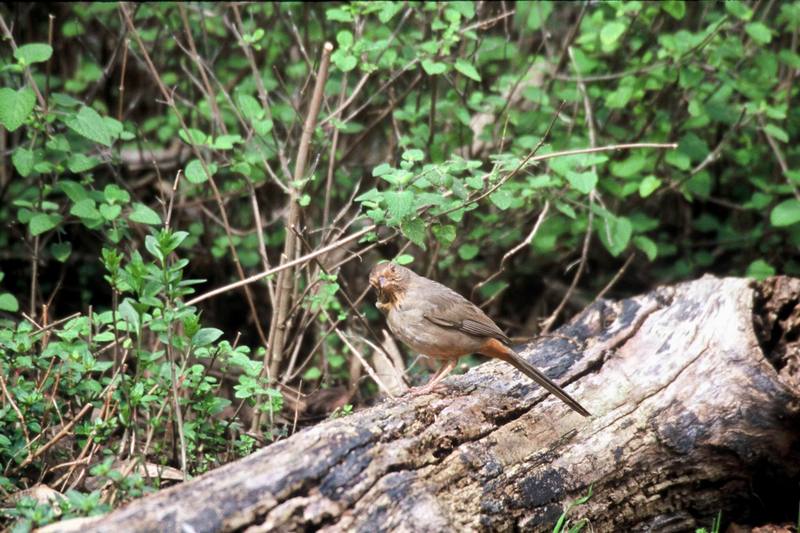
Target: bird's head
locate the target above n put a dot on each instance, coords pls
(389, 280)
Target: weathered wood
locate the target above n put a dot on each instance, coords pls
(694, 392)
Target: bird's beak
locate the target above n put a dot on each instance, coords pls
(381, 282)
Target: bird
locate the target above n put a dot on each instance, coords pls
(438, 322)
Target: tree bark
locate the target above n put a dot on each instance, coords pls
(694, 392)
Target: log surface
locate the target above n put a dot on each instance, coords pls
(694, 394)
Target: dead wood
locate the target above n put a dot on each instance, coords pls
(694, 392)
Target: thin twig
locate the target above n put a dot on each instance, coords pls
(512, 252)
(10, 399)
(776, 150)
(548, 323)
(528, 161)
(326, 208)
(286, 280)
(363, 81)
(616, 277)
(212, 100)
(299, 261)
(120, 104)
(343, 290)
(363, 361)
(28, 75)
(171, 103)
(58, 436)
(168, 217)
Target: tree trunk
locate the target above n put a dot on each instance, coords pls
(694, 394)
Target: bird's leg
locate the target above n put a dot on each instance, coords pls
(442, 373)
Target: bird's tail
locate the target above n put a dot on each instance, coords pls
(511, 357)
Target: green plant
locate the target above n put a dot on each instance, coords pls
(716, 524)
(157, 147)
(563, 523)
(345, 410)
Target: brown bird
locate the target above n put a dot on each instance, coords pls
(440, 323)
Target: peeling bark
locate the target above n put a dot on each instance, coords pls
(694, 394)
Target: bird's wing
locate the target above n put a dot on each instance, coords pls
(448, 309)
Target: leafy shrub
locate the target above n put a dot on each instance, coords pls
(149, 146)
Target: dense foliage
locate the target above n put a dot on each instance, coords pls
(150, 154)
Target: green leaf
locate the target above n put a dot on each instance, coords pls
(113, 126)
(776, 133)
(338, 14)
(759, 32)
(74, 191)
(399, 203)
(584, 182)
(115, 194)
(262, 127)
(474, 182)
(739, 9)
(23, 161)
(404, 259)
(414, 154)
(620, 97)
(389, 10)
(344, 38)
(110, 212)
(502, 199)
(304, 200)
(85, 209)
(29, 54)
(88, 123)
(676, 8)
(144, 215)
(537, 14)
(151, 245)
(445, 234)
(566, 209)
(8, 302)
(467, 69)
(433, 68)
(678, 159)
(648, 185)
(414, 230)
(78, 163)
(249, 106)
(226, 142)
(611, 33)
(15, 107)
(468, 251)
(760, 270)
(629, 167)
(192, 136)
(128, 313)
(195, 172)
(785, 213)
(312, 374)
(206, 336)
(242, 168)
(615, 233)
(344, 61)
(646, 245)
(381, 169)
(42, 222)
(466, 9)
(61, 250)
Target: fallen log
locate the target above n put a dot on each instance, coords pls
(694, 394)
